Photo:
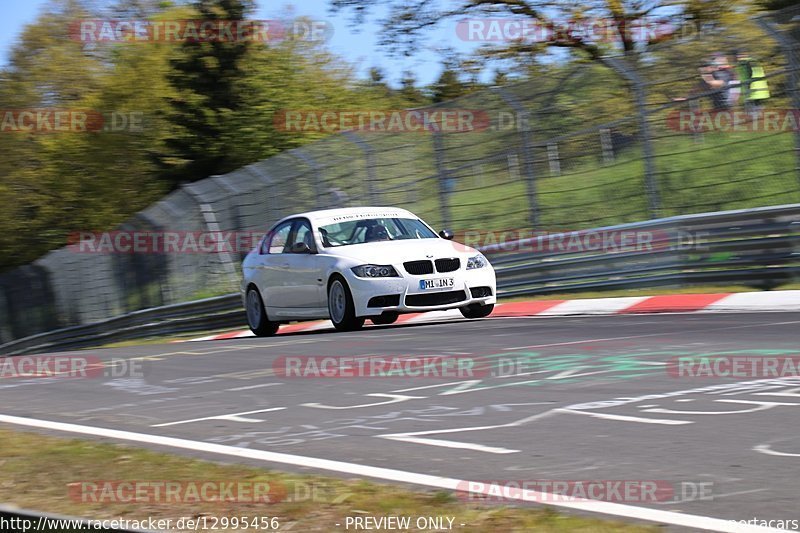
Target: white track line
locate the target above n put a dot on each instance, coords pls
(765, 448)
(451, 444)
(234, 417)
(616, 509)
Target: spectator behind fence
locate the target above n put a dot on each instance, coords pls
(716, 77)
(753, 80)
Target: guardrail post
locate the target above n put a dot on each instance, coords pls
(790, 50)
(444, 178)
(369, 162)
(524, 127)
(651, 185)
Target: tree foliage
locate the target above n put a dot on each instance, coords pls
(408, 19)
(202, 110)
(208, 79)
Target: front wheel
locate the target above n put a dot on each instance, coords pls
(341, 307)
(477, 310)
(257, 316)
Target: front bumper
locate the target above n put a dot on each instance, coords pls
(412, 299)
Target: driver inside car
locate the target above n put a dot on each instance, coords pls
(377, 232)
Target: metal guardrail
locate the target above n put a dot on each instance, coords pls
(757, 247)
(200, 315)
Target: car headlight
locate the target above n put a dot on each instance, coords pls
(477, 261)
(375, 271)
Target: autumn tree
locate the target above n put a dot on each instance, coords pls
(408, 19)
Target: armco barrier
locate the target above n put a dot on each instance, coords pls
(757, 247)
(211, 313)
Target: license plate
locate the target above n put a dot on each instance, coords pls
(436, 283)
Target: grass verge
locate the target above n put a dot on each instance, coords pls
(38, 471)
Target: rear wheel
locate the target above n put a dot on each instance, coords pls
(477, 310)
(384, 319)
(257, 316)
(341, 307)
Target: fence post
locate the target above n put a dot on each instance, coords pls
(524, 126)
(316, 169)
(369, 162)
(607, 145)
(141, 268)
(444, 178)
(789, 48)
(232, 191)
(553, 159)
(651, 185)
(212, 226)
(264, 178)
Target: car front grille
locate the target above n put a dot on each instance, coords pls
(418, 268)
(448, 265)
(435, 298)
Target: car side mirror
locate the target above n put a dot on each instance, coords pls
(300, 248)
(446, 234)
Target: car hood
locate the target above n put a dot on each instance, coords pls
(395, 252)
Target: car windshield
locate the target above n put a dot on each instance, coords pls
(374, 230)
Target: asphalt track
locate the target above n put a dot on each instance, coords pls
(736, 439)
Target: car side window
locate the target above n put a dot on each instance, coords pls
(278, 238)
(302, 234)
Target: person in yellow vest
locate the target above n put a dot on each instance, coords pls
(753, 80)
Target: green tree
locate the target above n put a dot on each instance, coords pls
(54, 184)
(500, 78)
(293, 75)
(448, 86)
(409, 92)
(208, 77)
(46, 69)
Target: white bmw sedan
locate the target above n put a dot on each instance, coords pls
(357, 263)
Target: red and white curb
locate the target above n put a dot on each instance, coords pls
(669, 303)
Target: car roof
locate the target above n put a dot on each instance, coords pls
(331, 216)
